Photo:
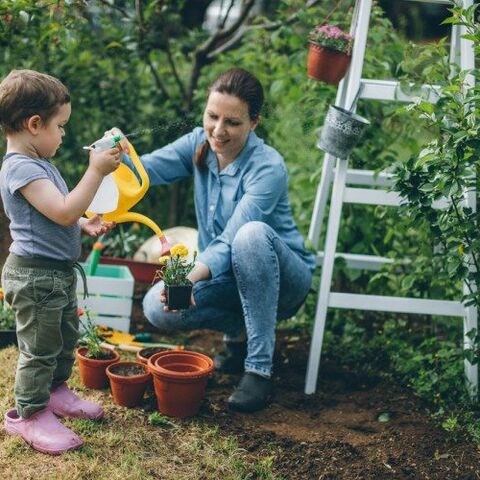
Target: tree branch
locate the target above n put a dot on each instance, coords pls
(144, 54)
(232, 42)
(200, 57)
(225, 18)
(181, 87)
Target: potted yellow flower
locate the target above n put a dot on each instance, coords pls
(176, 267)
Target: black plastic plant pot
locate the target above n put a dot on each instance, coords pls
(178, 296)
(8, 337)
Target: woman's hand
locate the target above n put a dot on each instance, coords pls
(163, 299)
(199, 272)
(123, 143)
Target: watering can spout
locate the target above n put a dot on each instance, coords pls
(137, 217)
(119, 192)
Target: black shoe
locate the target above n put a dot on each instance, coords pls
(231, 358)
(253, 393)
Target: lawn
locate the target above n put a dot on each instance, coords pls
(354, 427)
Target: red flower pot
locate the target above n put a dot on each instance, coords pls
(127, 391)
(326, 65)
(179, 379)
(92, 370)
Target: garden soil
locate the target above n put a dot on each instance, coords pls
(338, 432)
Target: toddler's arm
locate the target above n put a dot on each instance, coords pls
(67, 210)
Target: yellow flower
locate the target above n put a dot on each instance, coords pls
(1, 294)
(179, 250)
(163, 260)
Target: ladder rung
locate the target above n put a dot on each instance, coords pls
(367, 196)
(380, 303)
(356, 261)
(390, 90)
(441, 2)
(368, 177)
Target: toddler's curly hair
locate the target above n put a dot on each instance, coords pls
(24, 93)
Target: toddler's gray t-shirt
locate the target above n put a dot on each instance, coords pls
(33, 234)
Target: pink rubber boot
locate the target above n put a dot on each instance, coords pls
(64, 403)
(43, 431)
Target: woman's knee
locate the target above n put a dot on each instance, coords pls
(251, 236)
(153, 309)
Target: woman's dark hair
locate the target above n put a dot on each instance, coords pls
(241, 84)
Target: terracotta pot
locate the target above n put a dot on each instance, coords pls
(178, 296)
(179, 379)
(145, 353)
(92, 371)
(326, 65)
(127, 391)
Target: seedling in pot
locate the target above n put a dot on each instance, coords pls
(90, 338)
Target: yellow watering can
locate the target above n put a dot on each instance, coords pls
(120, 191)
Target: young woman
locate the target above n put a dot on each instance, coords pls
(252, 268)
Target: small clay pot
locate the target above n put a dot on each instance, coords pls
(128, 381)
(326, 65)
(145, 353)
(179, 379)
(92, 370)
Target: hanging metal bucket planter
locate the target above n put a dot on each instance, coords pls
(341, 131)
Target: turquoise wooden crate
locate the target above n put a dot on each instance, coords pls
(110, 296)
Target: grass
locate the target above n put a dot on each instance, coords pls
(127, 445)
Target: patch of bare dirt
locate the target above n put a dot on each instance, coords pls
(335, 433)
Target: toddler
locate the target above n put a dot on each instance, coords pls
(38, 277)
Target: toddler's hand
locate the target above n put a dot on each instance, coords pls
(96, 226)
(105, 162)
(123, 143)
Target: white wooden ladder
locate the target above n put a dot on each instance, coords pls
(336, 171)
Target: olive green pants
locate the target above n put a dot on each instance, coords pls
(42, 293)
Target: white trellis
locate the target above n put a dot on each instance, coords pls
(355, 186)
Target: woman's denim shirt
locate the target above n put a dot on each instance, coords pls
(254, 187)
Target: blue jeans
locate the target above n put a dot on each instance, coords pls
(268, 282)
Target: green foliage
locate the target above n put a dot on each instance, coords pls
(158, 420)
(91, 339)
(121, 243)
(7, 315)
(445, 169)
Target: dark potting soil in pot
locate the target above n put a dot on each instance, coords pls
(148, 352)
(127, 370)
